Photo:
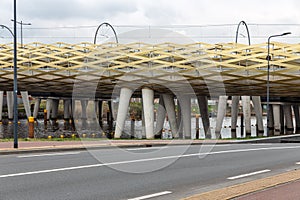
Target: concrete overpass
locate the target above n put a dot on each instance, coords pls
(99, 72)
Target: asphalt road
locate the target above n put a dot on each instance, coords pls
(170, 172)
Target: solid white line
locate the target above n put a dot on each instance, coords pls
(147, 160)
(249, 174)
(146, 148)
(151, 195)
(48, 154)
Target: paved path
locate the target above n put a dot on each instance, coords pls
(288, 191)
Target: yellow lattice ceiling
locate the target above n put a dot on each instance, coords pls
(209, 69)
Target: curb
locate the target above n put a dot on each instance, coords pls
(248, 187)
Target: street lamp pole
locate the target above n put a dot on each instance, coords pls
(268, 79)
(21, 23)
(15, 79)
(112, 28)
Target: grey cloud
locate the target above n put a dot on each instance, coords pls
(68, 9)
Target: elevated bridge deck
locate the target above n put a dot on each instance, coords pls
(210, 69)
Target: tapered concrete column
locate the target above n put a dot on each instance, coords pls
(258, 113)
(49, 108)
(100, 106)
(288, 118)
(276, 113)
(10, 104)
(220, 115)
(271, 121)
(111, 117)
(170, 107)
(148, 107)
(84, 104)
(55, 104)
(179, 120)
(1, 104)
(67, 109)
(282, 131)
(125, 96)
(297, 117)
(161, 115)
(185, 105)
(247, 114)
(25, 99)
(234, 114)
(36, 107)
(203, 107)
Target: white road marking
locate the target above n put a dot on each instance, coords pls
(147, 160)
(262, 144)
(151, 195)
(249, 174)
(48, 154)
(146, 148)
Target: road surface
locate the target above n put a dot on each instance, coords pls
(169, 172)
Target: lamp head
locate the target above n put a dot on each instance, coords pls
(287, 33)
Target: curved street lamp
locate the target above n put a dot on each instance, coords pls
(237, 32)
(21, 23)
(112, 28)
(5, 27)
(268, 78)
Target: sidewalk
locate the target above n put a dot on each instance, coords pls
(43, 146)
(283, 186)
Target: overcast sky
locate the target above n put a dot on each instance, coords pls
(55, 15)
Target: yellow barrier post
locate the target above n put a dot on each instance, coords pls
(31, 127)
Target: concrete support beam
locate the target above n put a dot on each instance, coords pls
(148, 107)
(247, 114)
(258, 113)
(288, 119)
(10, 104)
(25, 99)
(55, 104)
(170, 107)
(271, 121)
(179, 120)
(67, 109)
(161, 115)
(282, 131)
(297, 117)
(36, 109)
(276, 113)
(203, 107)
(84, 104)
(185, 105)
(234, 114)
(125, 96)
(220, 115)
(1, 104)
(48, 108)
(100, 108)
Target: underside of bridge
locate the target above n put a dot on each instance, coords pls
(209, 69)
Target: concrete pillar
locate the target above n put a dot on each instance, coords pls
(258, 113)
(203, 107)
(55, 104)
(297, 117)
(125, 96)
(148, 107)
(1, 104)
(48, 107)
(282, 131)
(36, 107)
(185, 105)
(84, 104)
(234, 114)
(288, 119)
(161, 115)
(10, 104)
(271, 121)
(25, 99)
(220, 115)
(111, 117)
(247, 114)
(100, 106)
(276, 113)
(67, 110)
(179, 120)
(170, 108)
